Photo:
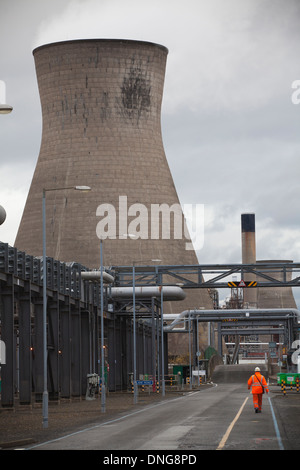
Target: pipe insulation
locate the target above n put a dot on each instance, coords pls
(169, 292)
(95, 276)
(179, 318)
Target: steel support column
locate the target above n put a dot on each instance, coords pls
(38, 356)
(65, 348)
(7, 336)
(153, 335)
(112, 354)
(25, 352)
(85, 349)
(123, 361)
(75, 352)
(220, 347)
(129, 347)
(53, 348)
(195, 342)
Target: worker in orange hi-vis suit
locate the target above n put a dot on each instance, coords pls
(259, 386)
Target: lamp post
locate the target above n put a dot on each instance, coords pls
(190, 352)
(45, 385)
(162, 342)
(135, 391)
(4, 109)
(103, 396)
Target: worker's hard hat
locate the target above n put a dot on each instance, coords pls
(257, 369)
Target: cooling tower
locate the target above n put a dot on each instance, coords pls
(276, 297)
(249, 256)
(101, 110)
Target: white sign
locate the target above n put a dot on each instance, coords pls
(199, 372)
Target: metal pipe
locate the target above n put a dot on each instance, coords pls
(181, 316)
(45, 385)
(96, 276)
(169, 292)
(175, 316)
(243, 313)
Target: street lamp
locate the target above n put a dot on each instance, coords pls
(2, 215)
(103, 396)
(4, 108)
(45, 388)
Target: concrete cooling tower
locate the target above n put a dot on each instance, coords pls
(101, 110)
(276, 297)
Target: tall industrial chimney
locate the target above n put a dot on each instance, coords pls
(249, 256)
(101, 109)
(263, 297)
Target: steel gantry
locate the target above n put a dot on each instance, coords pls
(238, 321)
(209, 276)
(217, 276)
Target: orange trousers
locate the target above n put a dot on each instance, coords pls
(257, 400)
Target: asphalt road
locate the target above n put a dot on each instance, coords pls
(217, 418)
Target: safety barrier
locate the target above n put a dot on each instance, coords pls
(284, 385)
(172, 383)
(283, 389)
(177, 382)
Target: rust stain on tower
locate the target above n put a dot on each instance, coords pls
(101, 110)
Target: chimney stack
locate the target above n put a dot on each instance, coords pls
(249, 256)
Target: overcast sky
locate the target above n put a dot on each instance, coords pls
(231, 131)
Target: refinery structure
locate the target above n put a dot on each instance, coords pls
(124, 287)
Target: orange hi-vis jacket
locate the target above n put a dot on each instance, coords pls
(257, 382)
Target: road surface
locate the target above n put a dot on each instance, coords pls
(220, 417)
